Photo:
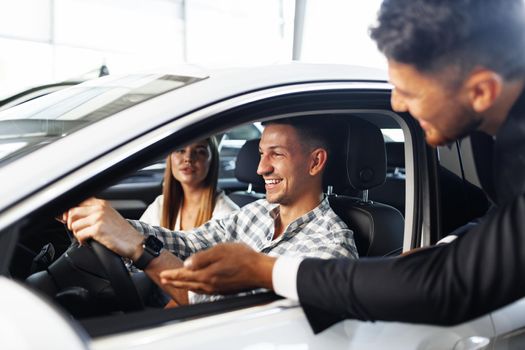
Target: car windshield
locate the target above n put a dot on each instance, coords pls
(34, 124)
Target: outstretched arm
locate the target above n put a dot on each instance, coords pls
(449, 284)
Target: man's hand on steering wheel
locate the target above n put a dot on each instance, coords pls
(96, 219)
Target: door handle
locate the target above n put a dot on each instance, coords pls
(472, 343)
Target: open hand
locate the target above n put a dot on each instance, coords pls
(224, 269)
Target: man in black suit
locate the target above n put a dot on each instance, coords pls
(456, 66)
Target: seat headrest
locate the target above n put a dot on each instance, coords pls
(395, 154)
(246, 165)
(357, 157)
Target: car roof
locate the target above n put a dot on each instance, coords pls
(300, 72)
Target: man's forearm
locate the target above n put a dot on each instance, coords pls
(445, 285)
(166, 261)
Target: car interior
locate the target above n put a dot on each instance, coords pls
(392, 191)
(365, 182)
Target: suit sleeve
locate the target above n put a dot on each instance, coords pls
(444, 285)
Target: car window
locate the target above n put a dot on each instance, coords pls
(244, 132)
(230, 144)
(146, 183)
(393, 135)
(392, 191)
(36, 123)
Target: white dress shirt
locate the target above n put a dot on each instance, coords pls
(284, 276)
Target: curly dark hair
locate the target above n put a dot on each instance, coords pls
(434, 34)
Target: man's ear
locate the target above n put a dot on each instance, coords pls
(318, 157)
(483, 88)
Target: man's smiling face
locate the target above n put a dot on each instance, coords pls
(283, 165)
(444, 113)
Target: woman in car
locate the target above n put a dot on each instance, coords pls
(190, 197)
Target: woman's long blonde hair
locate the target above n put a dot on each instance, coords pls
(173, 193)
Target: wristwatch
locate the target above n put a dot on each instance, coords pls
(152, 247)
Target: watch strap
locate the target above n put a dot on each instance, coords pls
(143, 261)
(152, 247)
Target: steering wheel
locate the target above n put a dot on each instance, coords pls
(80, 277)
(125, 290)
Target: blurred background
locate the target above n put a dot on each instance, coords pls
(47, 41)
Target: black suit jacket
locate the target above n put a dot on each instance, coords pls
(444, 285)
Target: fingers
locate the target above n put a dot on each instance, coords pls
(221, 269)
(63, 218)
(83, 220)
(203, 259)
(200, 260)
(86, 208)
(197, 287)
(220, 252)
(182, 275)
(79, 217)
(173, 278)
(84, 231)
(186, 279)
(96, 219)
(92, 201)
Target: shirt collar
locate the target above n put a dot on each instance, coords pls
(298, 224)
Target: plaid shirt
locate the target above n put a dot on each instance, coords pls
(320, 233)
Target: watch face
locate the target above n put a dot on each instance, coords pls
(154, 243)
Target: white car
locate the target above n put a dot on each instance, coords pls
(100, 138)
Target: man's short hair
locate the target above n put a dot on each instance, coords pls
(435, 34)
(312, 131)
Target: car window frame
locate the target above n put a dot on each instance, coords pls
(183, 130)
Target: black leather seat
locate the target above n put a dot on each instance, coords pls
(246, 171)
(358, 161)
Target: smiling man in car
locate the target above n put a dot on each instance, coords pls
(456, 66)
(295, 219)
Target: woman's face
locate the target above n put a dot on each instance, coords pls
(190, 164)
